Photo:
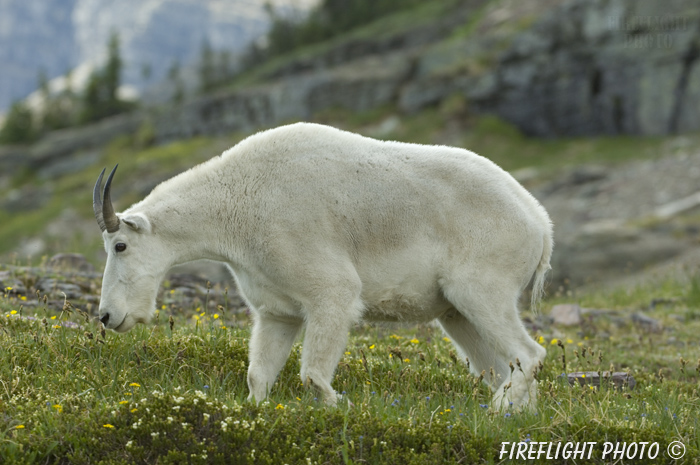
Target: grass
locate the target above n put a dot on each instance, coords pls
(175, 393)
(386, 27)
(499, 140)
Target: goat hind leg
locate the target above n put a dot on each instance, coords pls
(493, 316)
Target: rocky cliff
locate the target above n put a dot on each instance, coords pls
(603, 67)
(552, 68)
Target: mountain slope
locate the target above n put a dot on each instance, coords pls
(60, 35)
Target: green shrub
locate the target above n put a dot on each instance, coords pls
(18, 127)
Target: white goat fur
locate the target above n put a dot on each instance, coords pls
(323, 228)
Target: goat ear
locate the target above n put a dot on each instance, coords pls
(138, 222)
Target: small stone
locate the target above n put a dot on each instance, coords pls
(10, 285)
(619, 378)
(53, 287)
(647, 322)
(70, 262)
(566, 314)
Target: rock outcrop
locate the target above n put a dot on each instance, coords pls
(582, 68)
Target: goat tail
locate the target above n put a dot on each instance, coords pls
(541, 272)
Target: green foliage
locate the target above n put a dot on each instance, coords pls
(100, 99)
(329, 19)
(72, 394)
(207, 68)
(693, 295)
(18, 127)
(146, 135)
(65, 109)
(175, 80)
(215, 68)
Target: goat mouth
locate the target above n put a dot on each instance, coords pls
(116, 328)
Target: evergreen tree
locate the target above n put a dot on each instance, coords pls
(207, 68)
(100, 99)
(328, 19)
(18, 127)
(176, 81)
(112, 74)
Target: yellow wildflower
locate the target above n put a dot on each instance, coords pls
(407, 360)
(279, 407)
(13, 312)
(372, 346)
(124, 402)
(135, 385)
(108, 426)
(554, 341)
(216, 316)
(446, 339)
(19, 427)
(414, 341)
(58, 408)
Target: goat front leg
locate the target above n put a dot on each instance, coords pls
(270, 344)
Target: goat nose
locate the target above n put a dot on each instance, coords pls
(105, 319)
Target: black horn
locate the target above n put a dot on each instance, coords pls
(104, 211)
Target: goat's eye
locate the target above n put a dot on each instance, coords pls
(120, 247)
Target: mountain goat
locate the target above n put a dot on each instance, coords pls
(323, 228)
